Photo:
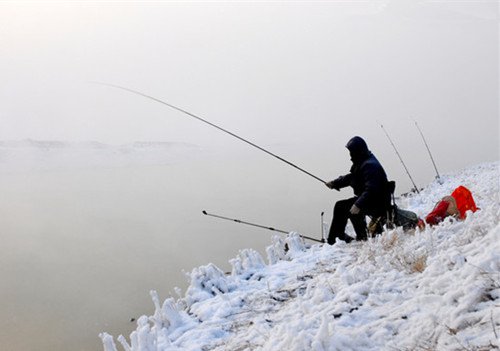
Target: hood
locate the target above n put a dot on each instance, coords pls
(357, 149)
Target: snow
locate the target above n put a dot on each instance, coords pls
(435, 289)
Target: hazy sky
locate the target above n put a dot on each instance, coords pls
(304, 74)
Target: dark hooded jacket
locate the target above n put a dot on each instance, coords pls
(367, 178)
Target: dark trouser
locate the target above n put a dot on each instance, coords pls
(341, 214)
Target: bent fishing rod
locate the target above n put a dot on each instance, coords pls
(259, 226)
(400, 158)
(210, 124)
(428, 150)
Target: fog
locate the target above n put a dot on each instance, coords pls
(296, 72)
(82, 246)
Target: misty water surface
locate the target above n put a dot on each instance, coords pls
(82, 248)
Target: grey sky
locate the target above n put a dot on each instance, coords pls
(305, 74)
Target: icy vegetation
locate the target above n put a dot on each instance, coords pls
(436, 289)
(29, 154)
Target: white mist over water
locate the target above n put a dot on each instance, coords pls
(82, 246)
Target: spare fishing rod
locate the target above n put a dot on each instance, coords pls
(259, 226)
(323, 235)
(324, 228)
(428, 150)
(400, 158)
(212, 125)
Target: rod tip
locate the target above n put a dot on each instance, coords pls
(204, 212)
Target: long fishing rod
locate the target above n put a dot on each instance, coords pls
(400, 159)
(428, 150)
(211, 124)
(259, 226)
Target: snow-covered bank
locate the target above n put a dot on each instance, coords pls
(437, 289)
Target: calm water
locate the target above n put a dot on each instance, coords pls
(81, 249)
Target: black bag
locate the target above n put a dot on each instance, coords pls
(398, 217)
(403, 218)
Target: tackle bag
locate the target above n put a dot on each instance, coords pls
(397, 217)
(404, 218)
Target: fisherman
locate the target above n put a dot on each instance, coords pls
(372, 198)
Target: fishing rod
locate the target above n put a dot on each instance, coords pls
(259, 226)
(428, 150)
(400, 159)
(210, 124)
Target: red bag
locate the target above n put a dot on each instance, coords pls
(438, 213)
(464, 200)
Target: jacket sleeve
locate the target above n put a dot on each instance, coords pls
(342, 181)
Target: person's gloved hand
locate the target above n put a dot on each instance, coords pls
(333, 185)
(354, 210)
